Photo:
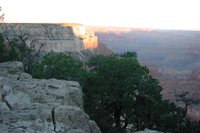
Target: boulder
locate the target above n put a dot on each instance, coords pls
(40, 105)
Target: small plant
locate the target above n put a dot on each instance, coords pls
(187, 99)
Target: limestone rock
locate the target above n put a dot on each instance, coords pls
(148, 131)
(58, 37)
(11, 68)
(40, 105)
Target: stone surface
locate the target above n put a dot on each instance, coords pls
(148, 131)
(39, 105)
(58, 37)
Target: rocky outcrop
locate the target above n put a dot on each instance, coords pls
(39, 105)
(102, 49)
(58, 37)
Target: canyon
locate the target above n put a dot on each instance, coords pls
(173, 57)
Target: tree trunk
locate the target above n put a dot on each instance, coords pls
(117, 115)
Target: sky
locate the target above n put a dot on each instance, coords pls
(155, 14)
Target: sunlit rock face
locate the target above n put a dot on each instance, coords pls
(58, 37)
(89, 39)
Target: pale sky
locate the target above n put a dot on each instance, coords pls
(159, 14)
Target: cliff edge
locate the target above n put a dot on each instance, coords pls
(58, 37)
(39, 105)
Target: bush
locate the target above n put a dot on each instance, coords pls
(3, 51)
(59, 66)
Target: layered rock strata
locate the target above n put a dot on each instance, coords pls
(174, 81)
(39, 105)
(58, 37)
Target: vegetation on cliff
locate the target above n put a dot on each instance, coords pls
(18, 49)
(3, 51)
(59, 66)
(119, 93)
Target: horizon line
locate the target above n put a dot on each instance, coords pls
(107, 26)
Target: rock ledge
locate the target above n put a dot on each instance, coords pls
(39, 105)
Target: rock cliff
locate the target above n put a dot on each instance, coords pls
(58, 37)
(39, 105)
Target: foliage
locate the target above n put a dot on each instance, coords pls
(113, 88)
(132, 55)
(59, 66)
(120, 94)
(3, 51)
(12, 52)
(21, 51)
(98, 60)
(187, 99)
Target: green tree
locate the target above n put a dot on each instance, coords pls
(7, 52)
(28, 53)
(119, 93)
(3, 51)
(114, 87)
(187, 99)
(59, 66)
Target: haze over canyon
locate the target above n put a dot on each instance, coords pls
(172, 56)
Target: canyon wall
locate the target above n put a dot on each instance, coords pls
(58, 37)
